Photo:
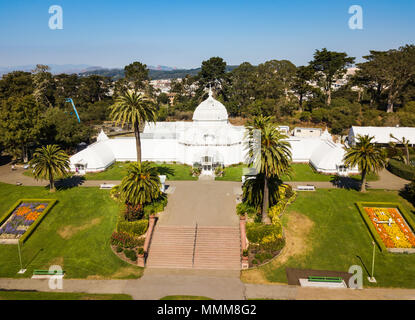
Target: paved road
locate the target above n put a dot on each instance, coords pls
(387, 181)
(219, 285)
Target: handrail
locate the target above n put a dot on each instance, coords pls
(194, 246)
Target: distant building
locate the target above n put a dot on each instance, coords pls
(382, 134)
(307, 132)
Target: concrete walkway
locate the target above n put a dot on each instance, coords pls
(205, 202)
(387, 181)
(218, 285)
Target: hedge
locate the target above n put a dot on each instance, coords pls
(136, 228)
(401, 169)
(29, 231)
(369, 224)
(268, 236)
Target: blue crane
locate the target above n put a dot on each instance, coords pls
(73, 105)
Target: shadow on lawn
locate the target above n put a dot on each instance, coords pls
(364, 266)
(345, 183)
(70, 182)
(167, 171)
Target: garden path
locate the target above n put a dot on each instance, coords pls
(216, 285)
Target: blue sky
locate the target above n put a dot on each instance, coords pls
(183, 33)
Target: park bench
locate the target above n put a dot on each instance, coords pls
(106, 186)
(325, 279)
(48, 273)
(306, 188)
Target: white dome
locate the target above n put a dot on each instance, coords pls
(210, 110)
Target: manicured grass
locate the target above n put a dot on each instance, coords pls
(185, 298)
(30, 295)
(232, 173)
(339, 237)
(118, 170)
(300, 172)
(75, 235)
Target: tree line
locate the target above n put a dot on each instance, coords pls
(34, 111)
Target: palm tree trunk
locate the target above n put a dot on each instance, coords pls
(51, 183)
(363, 186)
(265, 203)
(137, 141)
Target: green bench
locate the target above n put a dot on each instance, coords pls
(48, 273)
(325, 279)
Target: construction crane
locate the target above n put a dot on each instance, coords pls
(73, 105)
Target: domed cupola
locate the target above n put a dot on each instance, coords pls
(210, 110)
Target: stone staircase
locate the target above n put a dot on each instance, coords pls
(197, 247)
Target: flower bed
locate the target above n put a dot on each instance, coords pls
(20, 221)
(395, 234)
(389, 225)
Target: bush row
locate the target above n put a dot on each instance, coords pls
(123, 239)
(401, 169)
(267, 236)
(135, 228)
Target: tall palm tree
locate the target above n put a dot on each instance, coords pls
(49, 162)
(135, 108)
(141, 185)
(367, 156)
(273, 157)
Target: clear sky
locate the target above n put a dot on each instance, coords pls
(183, 33)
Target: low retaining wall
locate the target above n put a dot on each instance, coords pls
(141, 260)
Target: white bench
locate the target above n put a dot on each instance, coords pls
(306, 188)
(106, 186)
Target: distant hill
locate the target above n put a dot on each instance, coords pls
(54, 68)
(116, 74)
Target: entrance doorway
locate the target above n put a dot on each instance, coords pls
(207, 165)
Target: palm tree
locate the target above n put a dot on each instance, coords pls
(273, 157)
(49, 162)
(405, 143)
(141, 185)
(135, 108)
(367, 156)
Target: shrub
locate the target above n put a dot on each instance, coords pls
(268, 236)
(125, 240)
(243, 208)
(119, 249)
(409, 192)
(263, 256)
(130, 254)
(140, 250)
(401, 169)
(155, 207)
(135, 228)
(254, 262)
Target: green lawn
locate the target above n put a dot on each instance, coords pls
(36, 295)
(339, 236)
(300, 172)
(119, 169)
(75, 234)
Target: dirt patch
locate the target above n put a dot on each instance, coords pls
(128, 272)
(122, 273)
(68, 232)
(296, 234)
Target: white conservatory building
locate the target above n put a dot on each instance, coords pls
(208, 141)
